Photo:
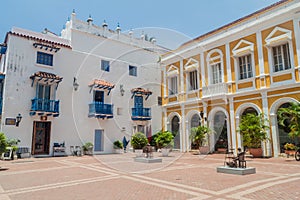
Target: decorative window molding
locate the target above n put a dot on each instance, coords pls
(172, 71)
(192, 74)
(191, 65)
(173, 85)
(272, 39)
(215, 62)
(280, 54)
(241, 49)
(244, 64)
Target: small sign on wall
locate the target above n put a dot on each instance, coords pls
(10, 121)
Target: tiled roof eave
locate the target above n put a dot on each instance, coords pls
(39, 39)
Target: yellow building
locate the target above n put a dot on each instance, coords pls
(249, 65)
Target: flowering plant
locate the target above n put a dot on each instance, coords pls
(289, 146)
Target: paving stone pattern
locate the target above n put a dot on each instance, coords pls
(117, 176)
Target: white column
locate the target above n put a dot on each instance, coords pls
(260, 58)
(165, 119)
(267, 149)
(182, 132)
(205, 112)
(232, 125)
(275, 139)
(260, 53)
(181, 77)
(297, 39)
(228, 65)
(202, 67)
(165, 80)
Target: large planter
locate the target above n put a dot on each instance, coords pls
(118, 151)
(256, 152)
(204, 149)
(139, 153)
(165, 152)
(289, 152)
(221, 150)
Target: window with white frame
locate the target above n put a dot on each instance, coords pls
(132, 70)
(44, 58)
(173, 88)
(105, 65)
(216, 73)
(281, 57)
(245, 67)
(192, 80)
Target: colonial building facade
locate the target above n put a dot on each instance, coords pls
(91, 84)
(249, 65)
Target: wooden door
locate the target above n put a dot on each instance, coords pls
(41, 137)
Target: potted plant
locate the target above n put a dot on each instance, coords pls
(118, 146)
(88, 148)
(198, 137)
(165, 141)
(290, 117)
(13, 144)
(138, 142)
(289, 149)
(253, 129)
(3, 144)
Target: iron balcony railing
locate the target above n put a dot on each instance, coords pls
(100, 109)
(141, 114)
(45, 105)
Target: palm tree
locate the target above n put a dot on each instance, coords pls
(198, 135)
(253, 128)
(290, 117)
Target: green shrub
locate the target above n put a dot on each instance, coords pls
(139, 140)
(118, 145)
(87, 146)
(3, 143)
(164, 139)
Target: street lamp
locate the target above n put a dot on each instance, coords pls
(18, 119)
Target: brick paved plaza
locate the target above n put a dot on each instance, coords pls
(117, 176)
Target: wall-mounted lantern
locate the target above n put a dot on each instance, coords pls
(75, 84)
(18, 119)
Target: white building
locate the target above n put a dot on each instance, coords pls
(90, 84)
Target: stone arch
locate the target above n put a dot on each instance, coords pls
(274, 122)
(238, 114)
(188, 125)
(178, 136)
(211, 116)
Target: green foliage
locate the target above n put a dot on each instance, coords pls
(139, 140)
(198, 135)
(118, 144)
(13, 143)
(3, 143)
(87, 146)
(164, 139)
(290, 117)
(289, 146)
(253, 128)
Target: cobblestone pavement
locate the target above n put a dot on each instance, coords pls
(117, 176)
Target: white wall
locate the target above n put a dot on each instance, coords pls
(83, 62)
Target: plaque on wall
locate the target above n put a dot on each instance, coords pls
(10, 121)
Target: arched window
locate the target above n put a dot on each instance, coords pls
(249, 110)
(175, 132)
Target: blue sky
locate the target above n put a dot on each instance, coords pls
(182, 19)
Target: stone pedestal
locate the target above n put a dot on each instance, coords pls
(147, 160)
(238, 171)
